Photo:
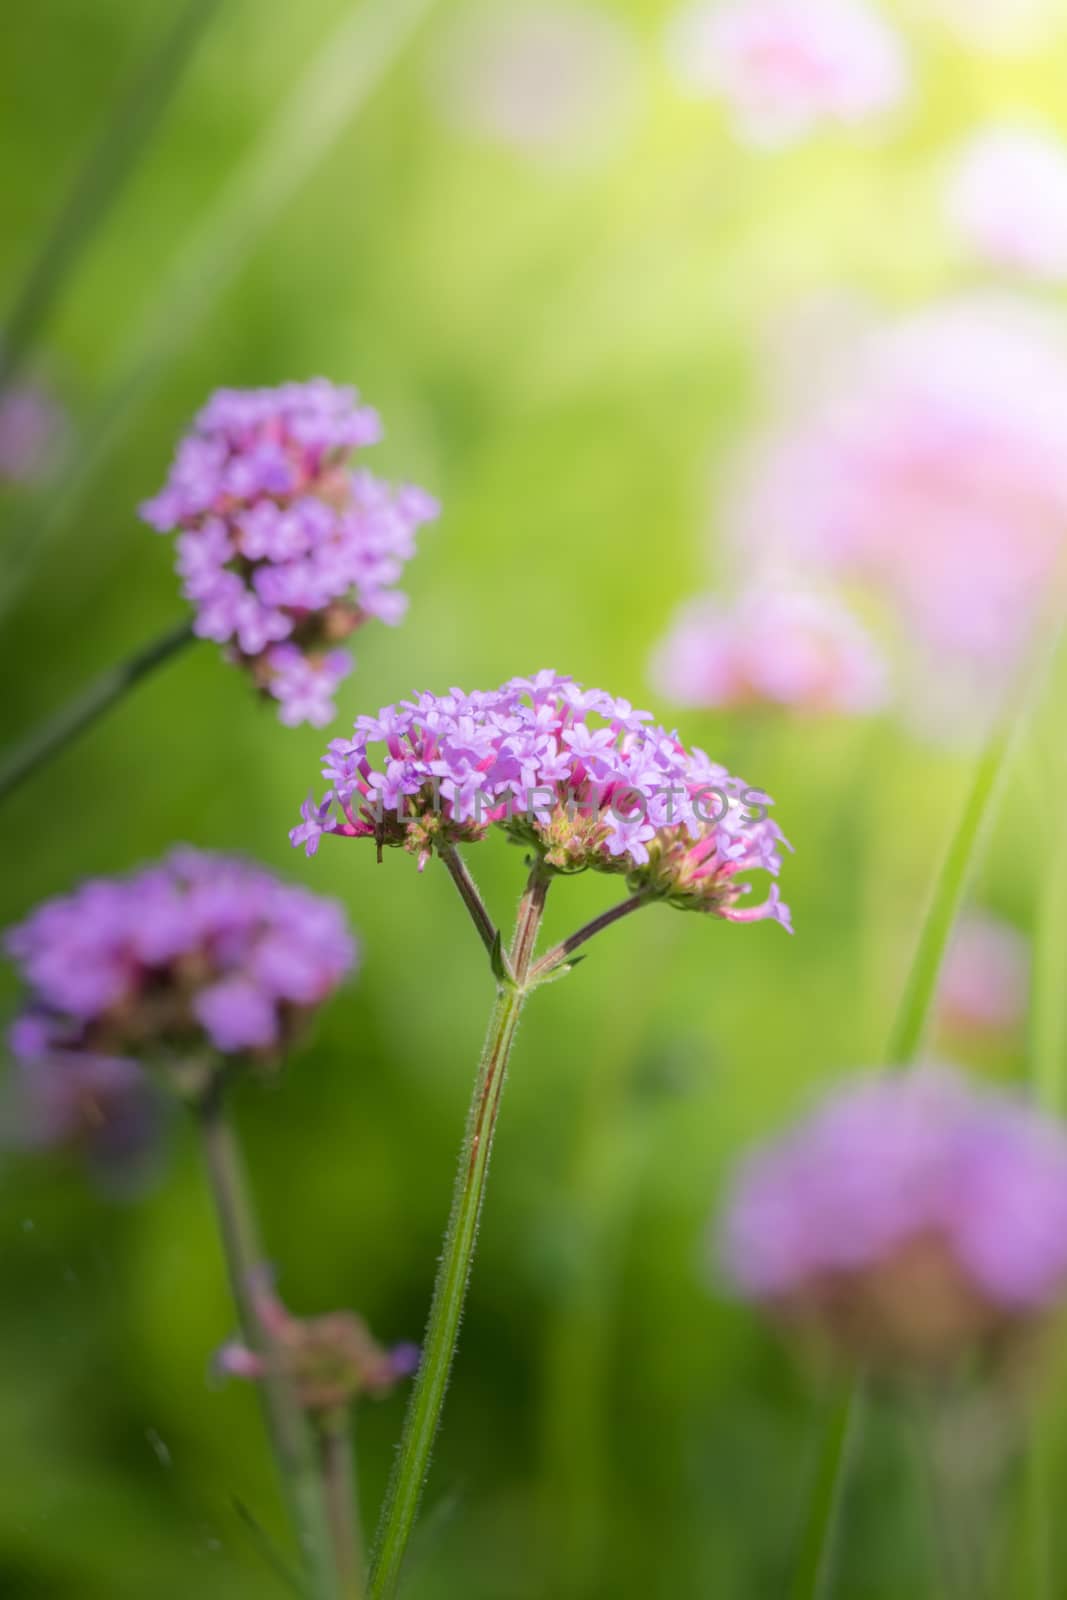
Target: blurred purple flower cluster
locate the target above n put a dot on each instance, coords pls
(283, 549)
(577, 774)
(909, 1218)
(201, 953)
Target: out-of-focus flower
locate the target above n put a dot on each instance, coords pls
(934, 466)
(772, 646)
(101, 1107)
(1000, 27)
(30, 424)
(201, 954)
(985, 978)
(558, 80)
(331, 1360)
(910, 1219)
(575, 774)
(281, 541)
(1006, 197)
(787, 67)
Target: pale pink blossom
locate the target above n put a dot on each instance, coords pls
(985, 978)
(1006, 198)
(932, 464)
(771, 646)
(554, 79)
(787, 67)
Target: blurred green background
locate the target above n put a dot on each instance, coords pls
(566, 351)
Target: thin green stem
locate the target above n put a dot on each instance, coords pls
(333, 1434)
(288, 1430)
(1048, 1067)
(98, 182)
(814, 1564)
(913, 1014)
(424, 1410)
(61, 729)
(470, 895)
(559, 955)
(346, 70)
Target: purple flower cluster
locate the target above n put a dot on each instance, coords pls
(201, 953)
(283, 549)
(576, 774)
(909, 1217)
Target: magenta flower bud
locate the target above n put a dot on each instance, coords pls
(574, 774)
(177, 964)
(787, 67)
(283, 549)
(332, 1360)
(910, 1221)
(771, 647)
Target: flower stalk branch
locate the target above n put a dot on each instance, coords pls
(558, 957)
(333, 1436)
(471, 896)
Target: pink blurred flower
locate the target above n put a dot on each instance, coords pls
(785, 67)
(30, 424)
(934, 465)
(555, 79)
(910, 1219)
(772, 646)
(1006, 197)
(985, 978)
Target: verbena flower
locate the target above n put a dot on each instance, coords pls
(1006, 198)
(179, 963)
(771, 646)
(786, 67)
(283, 549)
(577, 776)
(985, 978)
(933, 466)
(332, 1360)
(910, 1219)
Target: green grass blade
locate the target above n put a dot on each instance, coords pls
(99, 181)
(905, 1042)
(340, 78)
